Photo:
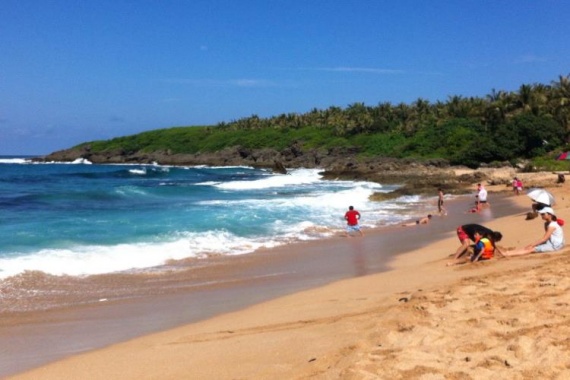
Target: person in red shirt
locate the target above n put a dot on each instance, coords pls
(352, 216)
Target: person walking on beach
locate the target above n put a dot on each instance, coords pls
(552, 240)
(419, 221)
(481, 195)
(466, 234)
(517, 186)
(440, 208)
(352, 217)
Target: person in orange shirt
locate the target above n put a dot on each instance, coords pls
(484, 247)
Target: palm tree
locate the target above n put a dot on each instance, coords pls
(497, 106)
(495, 95)
(458, 107)
(382, 116)
(401, 116)
(525, 98)
(560, 101)
(359, 118)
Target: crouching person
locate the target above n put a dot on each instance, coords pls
(484, 248)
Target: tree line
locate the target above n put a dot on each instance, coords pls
(502, 126)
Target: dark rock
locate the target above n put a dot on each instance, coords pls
(279, 168)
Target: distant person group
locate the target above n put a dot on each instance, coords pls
(484, 239)
(479, 243)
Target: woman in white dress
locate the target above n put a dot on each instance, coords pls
(552, 240)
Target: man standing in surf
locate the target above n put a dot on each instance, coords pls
(352, 216)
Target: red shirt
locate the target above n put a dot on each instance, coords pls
(352, 217)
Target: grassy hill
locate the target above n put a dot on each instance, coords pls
(530, 123)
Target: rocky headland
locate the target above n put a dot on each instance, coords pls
(416, 177)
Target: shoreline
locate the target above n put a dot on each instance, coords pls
(393, 281)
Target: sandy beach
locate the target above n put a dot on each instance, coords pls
(504, 318)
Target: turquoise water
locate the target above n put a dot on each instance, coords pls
(81, 219)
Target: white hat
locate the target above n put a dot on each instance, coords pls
(545, 210)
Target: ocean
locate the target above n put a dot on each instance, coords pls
(80, 219)
(92, 255)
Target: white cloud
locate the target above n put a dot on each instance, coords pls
(369, 70)
(244, 82)
(251, 83)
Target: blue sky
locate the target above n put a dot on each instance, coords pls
(82, 70)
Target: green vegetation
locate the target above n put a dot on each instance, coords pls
(531, 123)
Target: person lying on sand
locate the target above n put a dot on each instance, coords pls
(466, 234)
(419, 221)
(552, 240)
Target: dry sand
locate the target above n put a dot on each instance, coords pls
(507, 319)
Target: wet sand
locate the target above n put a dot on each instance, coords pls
(151, 303)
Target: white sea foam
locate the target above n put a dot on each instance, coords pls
(130, 190)
(295, 177)
(82, 161)
(14, 161)
(90, 260)
(320, 216)
(219, 167)
(321, 210)
(141, 171)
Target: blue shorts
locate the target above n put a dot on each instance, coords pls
(356, 227)
(547, 247)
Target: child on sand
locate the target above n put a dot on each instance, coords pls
(552, 240)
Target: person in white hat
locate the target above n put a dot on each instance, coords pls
(552, 240)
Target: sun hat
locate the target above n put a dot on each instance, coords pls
(545, 210)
